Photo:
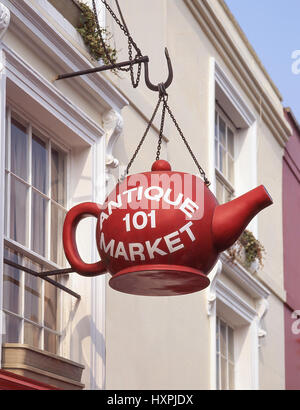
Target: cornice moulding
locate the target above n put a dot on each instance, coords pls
(249, 47)
(215, 30)
(4, 19)
(236, 99)
(62, 54)
(35, 85)
(235, 302)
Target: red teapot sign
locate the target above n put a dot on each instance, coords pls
(160, 233)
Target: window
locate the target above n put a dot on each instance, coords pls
(35, 190)
(224, 157)
(225, 356)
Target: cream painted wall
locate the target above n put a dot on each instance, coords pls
(164, 343)
(157, 343)
(270, 222)
(271, 351)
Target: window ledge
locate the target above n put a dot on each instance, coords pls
(243, 278)
(42, 366)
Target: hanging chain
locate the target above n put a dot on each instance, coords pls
(163, 96)
(202, 172)
(131, 42)
(144, 136)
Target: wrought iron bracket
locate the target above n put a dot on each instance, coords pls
(143, 59)
(44, 276)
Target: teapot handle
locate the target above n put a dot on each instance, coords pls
(73, 217)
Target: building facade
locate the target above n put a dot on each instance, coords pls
(291, 210)
(66, 142)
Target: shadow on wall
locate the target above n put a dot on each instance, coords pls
(85, 336)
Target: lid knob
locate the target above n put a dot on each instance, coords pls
(161, 165)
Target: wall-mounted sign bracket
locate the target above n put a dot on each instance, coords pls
(44, 276)
(143, 59)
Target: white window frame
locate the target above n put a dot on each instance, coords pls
(40, 325)
(220, 356)
(22, 75)
(25, 250)
(223, 90)
(219, 175)
(245, 319)
(50, 142)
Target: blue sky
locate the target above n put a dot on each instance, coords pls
(273, 29)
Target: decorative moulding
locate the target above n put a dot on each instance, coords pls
(212, 293)
(59, 42)
(262, 309)
(49, 97)
(113, 125)
(233, 95)
(217, 32)
(235, 302)
(4, 19)
(244, 280)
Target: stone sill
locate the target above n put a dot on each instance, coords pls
(42, 366)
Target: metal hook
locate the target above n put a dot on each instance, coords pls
(169, 79)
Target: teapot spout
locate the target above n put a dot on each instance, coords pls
(230, 219)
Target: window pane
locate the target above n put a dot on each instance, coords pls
(51, 303)
(12, 283)
(38, 223)
(222, 160)
(51, 342)
(33, 300)
(18, 149)
(216, 154)
(217, 336)
(223, 374)
(6, 205)
(230, 141)
(230, 344)
(231, 376)
(6, 143)
(230, 169)
(222, 131)
(216, 125)
(228, 195)
(39, 164)
(18, 211)
(58, 176)
(32, 335)
(57, 221)
(218, 371)
(223, 341)
(219, 191)
(12, 329)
